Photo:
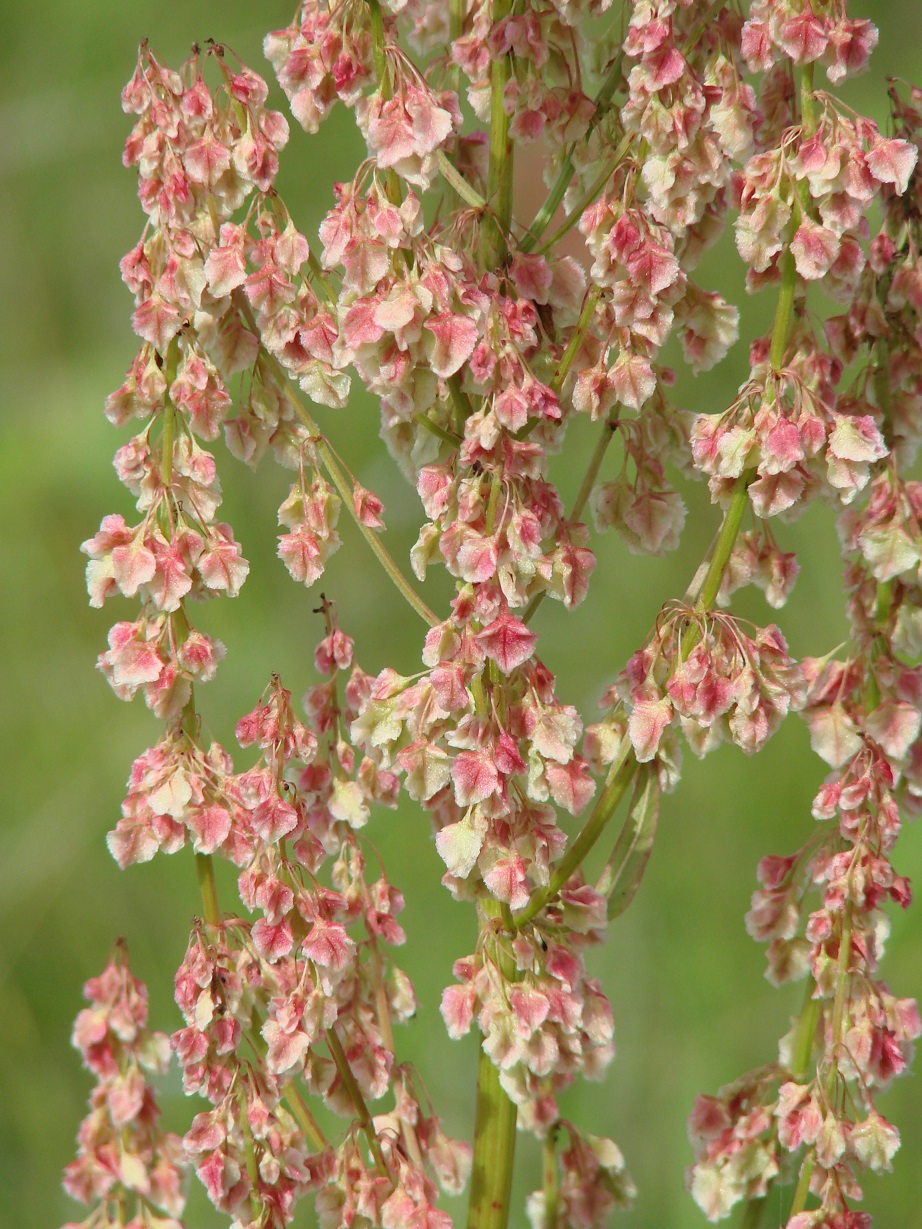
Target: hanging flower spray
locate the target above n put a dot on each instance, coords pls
(432, 288)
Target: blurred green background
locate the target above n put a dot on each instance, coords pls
(691, 1006)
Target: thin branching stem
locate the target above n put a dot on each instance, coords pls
(362, 1112)
(543, 217)
(340, 482)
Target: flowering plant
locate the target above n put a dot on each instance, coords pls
(482, 339)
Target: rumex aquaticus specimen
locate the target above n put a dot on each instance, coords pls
(481, 340)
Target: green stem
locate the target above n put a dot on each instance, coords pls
(803, 1187)
(806, 1034)
(382, 1006)
(358, 1101)
(480, 696)
(204, 869)
(460, 401)
(726, 540)
(338, 478)
(456, 180)
(377, 44)
(882, 387)
(783, 311)
(170, 364)
(838, 1009)
(494, 1150)
(166, 444)
(807, 101)
(543, 217)
(573, 345)
(882, 605)
(249, 1151)
(204, 863)
(448, 436)
(455, 30)
(589, 196)
(499, 176)
(305, 1118)
(319, 276)
(625, 868)
(494, 1118)
(720, 557)
(620, 775)
(496, 485)
(550, 1178)
(595, 464)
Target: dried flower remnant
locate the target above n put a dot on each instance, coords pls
(431, 289)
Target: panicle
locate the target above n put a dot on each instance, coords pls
(481, 336)
(125, 1159)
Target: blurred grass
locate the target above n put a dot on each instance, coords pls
(690, 1004)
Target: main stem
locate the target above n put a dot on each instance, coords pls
(495, 1114)
(495, 229)
(806, 1031)
(362, 1112)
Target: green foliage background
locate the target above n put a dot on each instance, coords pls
(691, 1006)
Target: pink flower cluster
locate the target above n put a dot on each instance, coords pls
(791, 31)
(295, 975)
(786, 432)
(481, 340)
(709, 677)
(125, 1159)
(554, 1022)
(484, 745)
(865, 720)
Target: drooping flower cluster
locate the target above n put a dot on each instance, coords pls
(864, 713)
(544, 100)
(199, 156)
(787, 430)
(553, 1022)
(322, 1001)
(858, 1031)
(707, 675)
(125, 1160)
(485, 745)
(687, 119)
(481, 340)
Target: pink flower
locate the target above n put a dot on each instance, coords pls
(507, 641)
(475, 777)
